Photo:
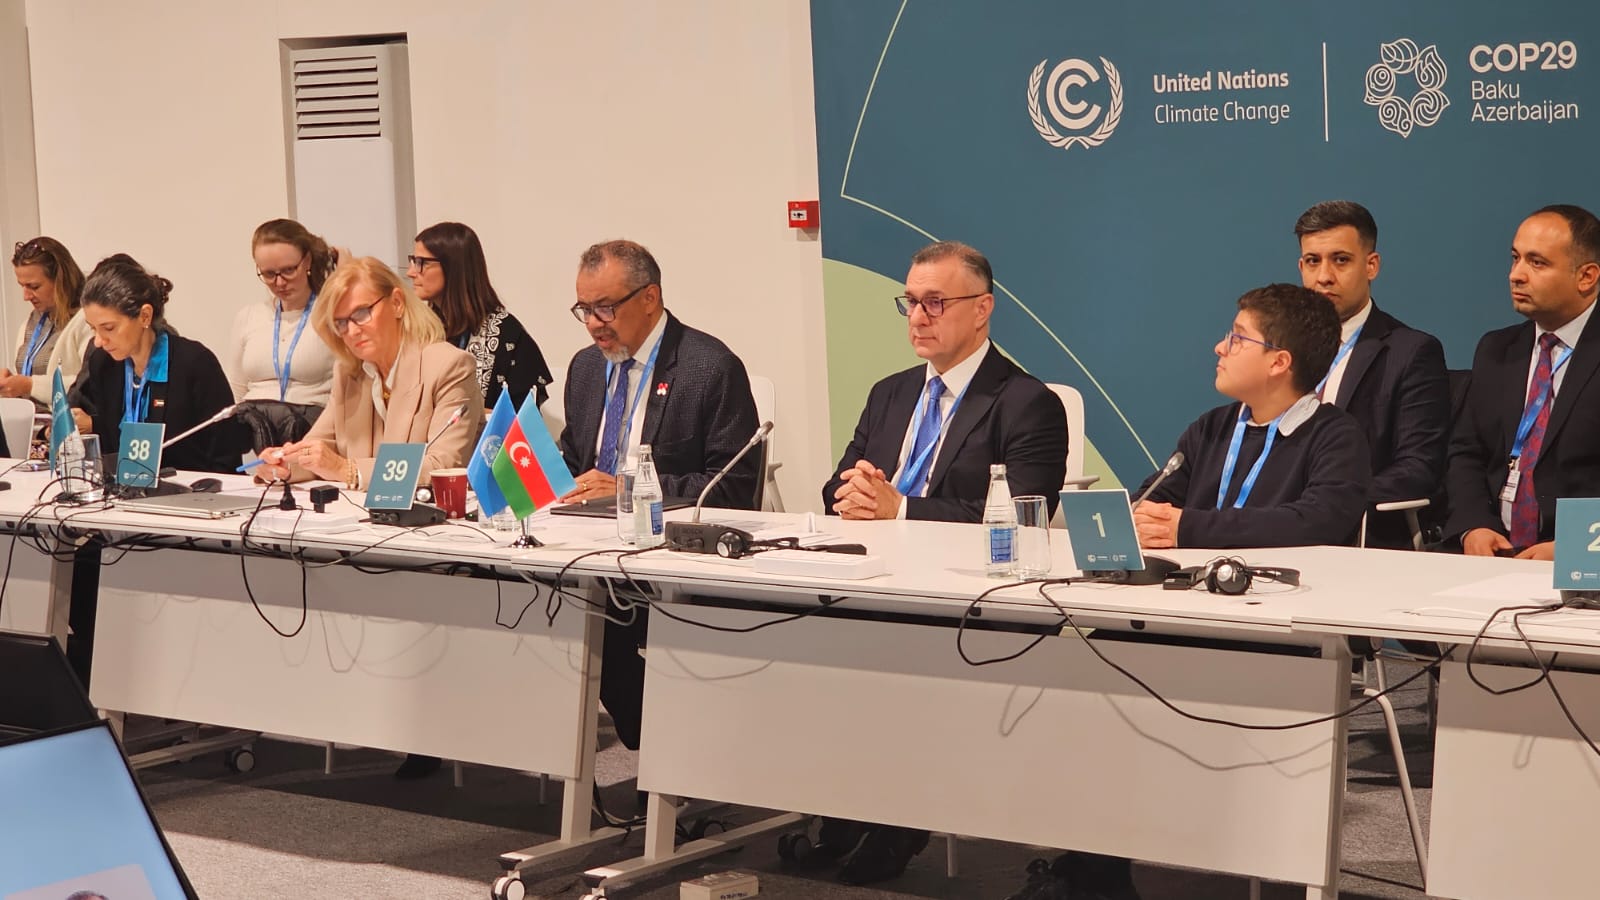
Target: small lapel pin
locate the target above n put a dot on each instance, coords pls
(661, 389)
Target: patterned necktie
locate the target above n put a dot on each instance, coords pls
(616, 409)
(1525, 507)
(913, 481)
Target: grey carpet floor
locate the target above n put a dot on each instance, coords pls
(286, 829)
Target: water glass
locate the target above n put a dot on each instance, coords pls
(86, 480)
(1033, 536)
(625, 524)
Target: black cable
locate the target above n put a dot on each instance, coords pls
(244, 573)
(1544, 669)
(1152, 692)
(825, 603)
(626, 825)
(1472, 649)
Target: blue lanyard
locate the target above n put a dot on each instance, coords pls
(914, 477)
(1344, 350)
(282, 367)
(36, 343)
(1531, 413)
(1233, 459)
(135, 405)
(626, 426)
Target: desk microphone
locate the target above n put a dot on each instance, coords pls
(1156, 568)
(1173, 465)
(454, 418)
(221, 414)
(697, 538)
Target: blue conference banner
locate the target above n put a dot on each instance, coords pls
(1131, 169)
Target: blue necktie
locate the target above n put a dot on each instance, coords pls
(913, 481)
(616, 409)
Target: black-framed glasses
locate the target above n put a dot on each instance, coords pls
(360, 316)
(268, 276)
(1231, 342)
(420, 263)
(933, 306)
(605, 312)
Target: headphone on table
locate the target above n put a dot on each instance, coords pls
(1229, 575)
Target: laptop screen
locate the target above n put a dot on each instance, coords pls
(76, 823)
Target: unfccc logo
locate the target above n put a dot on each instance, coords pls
(1426, 105)
(1073, 114)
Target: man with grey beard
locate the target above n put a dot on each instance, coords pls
(649, 379)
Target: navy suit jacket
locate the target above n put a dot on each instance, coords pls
(1007, 416)
(698, 413)
(1480, 447)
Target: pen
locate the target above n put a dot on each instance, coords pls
(250, 465)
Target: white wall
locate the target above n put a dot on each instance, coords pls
(544, 126)
(19, 202)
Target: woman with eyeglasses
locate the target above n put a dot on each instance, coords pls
(282, 373)
(395, 381)
(141, 370)
(448, 272)
(55, 333)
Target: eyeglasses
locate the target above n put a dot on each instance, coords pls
(271, 275)
(933, 306)
(361, 316)
(605, 312)
(420, 263)
(28, 250)
(1231, 342)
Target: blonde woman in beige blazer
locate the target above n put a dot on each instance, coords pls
(395, 381)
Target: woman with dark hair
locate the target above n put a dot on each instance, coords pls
(283, 379)
(140, 370)
(55, 332)
(448, 272)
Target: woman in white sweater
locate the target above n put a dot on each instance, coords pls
(275, 366)
(54, 333)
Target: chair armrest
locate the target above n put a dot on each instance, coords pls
(1395, 505)
(1081, 483)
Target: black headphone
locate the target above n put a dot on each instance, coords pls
(1230, 575)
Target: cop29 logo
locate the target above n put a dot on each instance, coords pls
(1425, 68)
(1070, 112)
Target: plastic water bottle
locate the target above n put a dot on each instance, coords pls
(999, 526)
(647, 525)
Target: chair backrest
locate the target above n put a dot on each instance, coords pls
(766, 397)
(1073, 402)
(16, 422)
(554, 410)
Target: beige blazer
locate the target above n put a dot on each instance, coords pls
(430, 382)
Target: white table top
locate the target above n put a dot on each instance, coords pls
(932, 567)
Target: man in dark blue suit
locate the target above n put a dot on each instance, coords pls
(1529, 431)
(648, 379)
(922, 450)
(1390, 377)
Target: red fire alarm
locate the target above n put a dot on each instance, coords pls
(803, 214)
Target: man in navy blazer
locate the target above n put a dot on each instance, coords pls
(1555, 276)
(989, 410)
(1390, 377)
(648, 379)
(697, 408)
(922, 450)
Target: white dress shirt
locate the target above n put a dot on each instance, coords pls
(1330, 390)
(635, 411)
(956, 380)
(1568, 334)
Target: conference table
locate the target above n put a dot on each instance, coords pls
(810, 694)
